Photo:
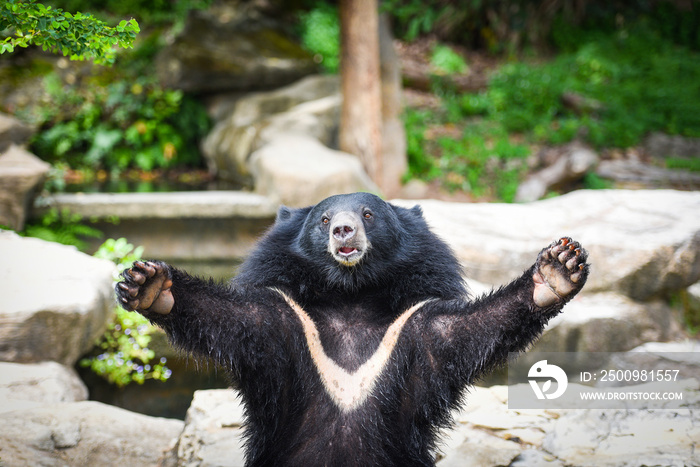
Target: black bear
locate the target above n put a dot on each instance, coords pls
(349, 331)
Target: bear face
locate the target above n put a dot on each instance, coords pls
(350, 238)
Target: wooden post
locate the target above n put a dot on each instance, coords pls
(361, 115)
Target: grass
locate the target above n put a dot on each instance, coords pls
(630, 83)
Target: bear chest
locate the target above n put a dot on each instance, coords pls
(349, 352)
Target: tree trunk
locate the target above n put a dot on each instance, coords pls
(361, 116)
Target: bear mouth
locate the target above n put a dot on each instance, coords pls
(348, 255)
(347, 251)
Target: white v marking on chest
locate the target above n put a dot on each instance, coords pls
(349, 390)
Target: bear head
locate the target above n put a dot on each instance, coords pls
(349, 243)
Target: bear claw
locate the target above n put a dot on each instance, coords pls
(146, 288)
(561, 271)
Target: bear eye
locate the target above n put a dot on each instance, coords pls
(367, 214)
(325, 220)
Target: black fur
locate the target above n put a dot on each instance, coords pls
(444, 347)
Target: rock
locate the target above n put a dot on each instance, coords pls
(40, 383)
(310, 106)
(636, 174)
(641, 243)
(229, 48)
(21, 174)
(277, 143)
(481, 449)
(487, 433)
(142, 206)
(255, 106)
(213, 431)
(608, 322)
(13, 131)
(415, 189)
(55, 300)
(662, 146)
(580, 104)
(594, 437)
(585, 437)
(681, 357)
(84, 433)
(216, 226)
(570, 166)
(299, 171)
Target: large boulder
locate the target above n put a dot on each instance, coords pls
(13, 131)
(84, 433)
(585, 437)
(213, 226)
(608, 322)
(232, 47)
(299, 171)
(623, 437)
(27, 385)
(487, 433)
(641, 243)
(55, 302)
(21, 173)
(213, 431)
(279, 143)
(309, 107)
(662, 146)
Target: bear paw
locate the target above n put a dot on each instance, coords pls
(561, 270)
(146, 288)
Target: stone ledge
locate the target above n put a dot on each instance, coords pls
(193, 204)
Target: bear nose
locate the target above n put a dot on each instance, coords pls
(343, 226)
(343, 232)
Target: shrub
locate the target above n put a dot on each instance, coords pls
(124, 356)
(122, 124)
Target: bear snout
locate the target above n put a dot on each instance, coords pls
(347, 238)
(344, 225)
(344, 232)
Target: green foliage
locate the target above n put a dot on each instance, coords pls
(628, 84)
(518, 25)
(152, 12)
(125, 356)
(642, 83)
(62, 227)
(420, 163)
(125, 123)
(688, 308)
(692, 164)
(320, 34)
(79, 36)
(593, 181)
(446, 61)
(414, 18)
(483, 160)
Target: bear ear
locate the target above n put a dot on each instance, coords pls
(417, 211)
(284, 213)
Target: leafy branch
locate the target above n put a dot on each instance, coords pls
(123, 355)
(78, 35)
